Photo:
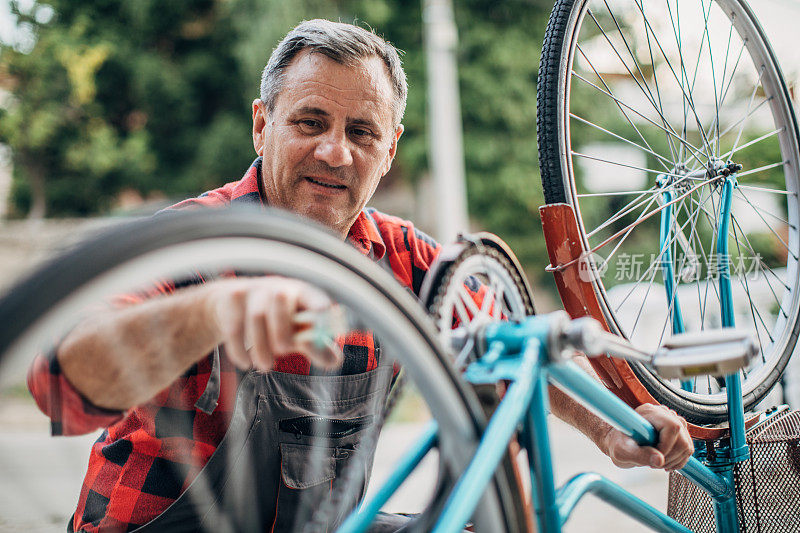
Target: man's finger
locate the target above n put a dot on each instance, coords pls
(679, 462)
(256, 320)
(279, 322)
(626, 454)
(666, 423)
(232, 329)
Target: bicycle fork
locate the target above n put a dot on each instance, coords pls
(723, 458)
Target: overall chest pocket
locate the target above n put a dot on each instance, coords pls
(314, 452)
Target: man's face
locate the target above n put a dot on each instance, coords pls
(329, 140)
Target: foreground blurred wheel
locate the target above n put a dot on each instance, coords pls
(177, 247)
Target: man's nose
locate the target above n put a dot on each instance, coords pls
(333, 150)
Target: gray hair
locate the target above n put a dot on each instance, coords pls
(344, 43)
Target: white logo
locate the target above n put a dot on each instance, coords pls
(591, 267)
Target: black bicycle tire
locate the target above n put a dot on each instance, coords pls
(42, 290)
(559, 28)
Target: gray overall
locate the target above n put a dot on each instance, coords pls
(269, 473)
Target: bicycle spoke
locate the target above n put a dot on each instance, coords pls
(762, 210)
(621, 138)
(679, 41)
(617, 193)
(747, 115)
(641, 308)
(746, 286)
(648, 170)
(650, 214)
(694, 151)
(466, 299)
(749, 246)
(609, 93)
(499, 306)
(727, 88)
(761, 169)
(622, 240)
(653, 263)
(722, 83)
(695, 236)
(713, 74)
(672, 301)
(749, 105)
(687, 96)
(462, 356)
(488, 298)
(647, 93)
(646, 89)
(729, 153)
(770, 228)
(713, 220)
(670, 142)
(630, 207)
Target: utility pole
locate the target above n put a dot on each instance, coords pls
(444, 119)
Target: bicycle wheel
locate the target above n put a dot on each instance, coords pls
(483, 263)
(179, 246)
(641, 106)
(472, 283)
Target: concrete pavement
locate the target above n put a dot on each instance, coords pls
(40, 476)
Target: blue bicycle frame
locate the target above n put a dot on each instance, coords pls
(521, 353)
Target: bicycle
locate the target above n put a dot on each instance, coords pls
(145, 253)
(694, 95)
(523, 351)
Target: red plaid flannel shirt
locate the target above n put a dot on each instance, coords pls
(148, 455)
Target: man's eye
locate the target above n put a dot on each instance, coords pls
(309, 124)
(361, 134)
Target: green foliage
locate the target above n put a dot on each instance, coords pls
(155, 96)
(499, 48)
(124, 95)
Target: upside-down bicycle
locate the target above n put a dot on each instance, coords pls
(709, 170)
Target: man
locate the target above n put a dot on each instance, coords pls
(325, 128)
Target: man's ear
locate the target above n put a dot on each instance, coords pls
(393, 148)
(259, 124)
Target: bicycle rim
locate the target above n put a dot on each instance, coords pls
(672, 89)
(45, 305)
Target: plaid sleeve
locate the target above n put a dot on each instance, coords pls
(409, 251)
(70, 413)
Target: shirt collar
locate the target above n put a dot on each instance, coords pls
(363, 234)
(248, 189)
(366, 238)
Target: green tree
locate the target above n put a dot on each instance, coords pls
(499, 48)
(155, 96)
(114, 95)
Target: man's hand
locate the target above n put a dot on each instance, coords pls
(256, 320)
(674, 443)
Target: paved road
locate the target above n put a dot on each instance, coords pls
(573, 454)
(40, 476)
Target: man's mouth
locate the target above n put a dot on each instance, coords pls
(316, 181)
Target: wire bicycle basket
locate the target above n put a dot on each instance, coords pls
(767, 484)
